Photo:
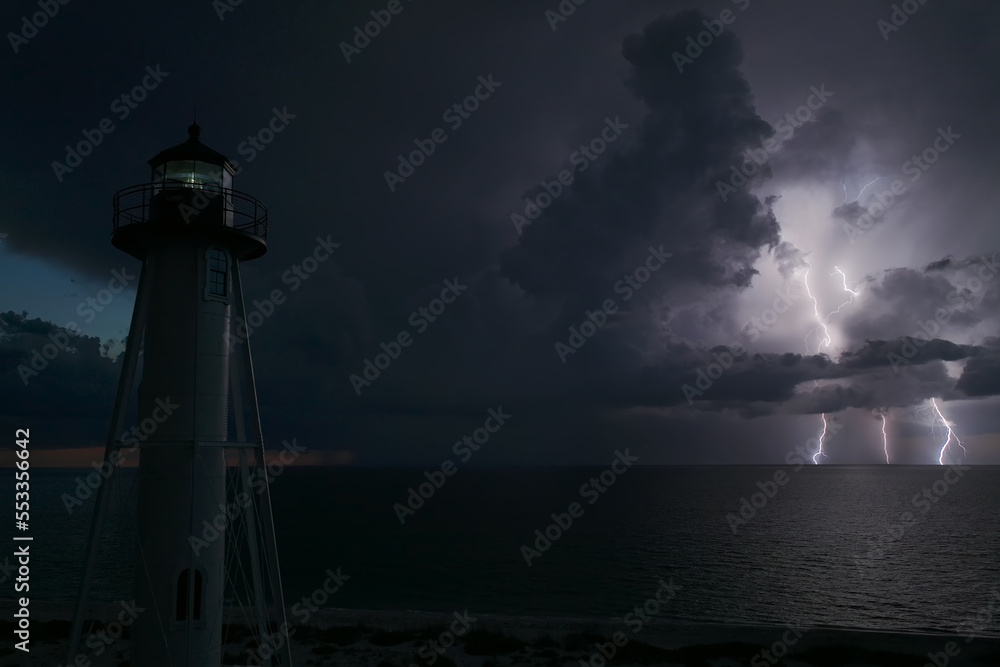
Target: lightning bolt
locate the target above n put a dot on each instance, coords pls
(842, 183)
(885, 439)
(866, 187)
(825, 341)
(850, 299)
(822, 437)
(843, 276)
(853, 295)
(951, 434)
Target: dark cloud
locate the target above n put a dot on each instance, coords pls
(981, 375)
(906, 350)
(60, 380)
(948, 295)
(660, 190)
(821, 147)
(788, 258)
(656, 185)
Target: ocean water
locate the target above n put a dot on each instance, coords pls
(831, 547)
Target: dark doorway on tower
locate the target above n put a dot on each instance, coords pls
(183, 606)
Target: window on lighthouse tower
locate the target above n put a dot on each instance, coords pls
(218, 273)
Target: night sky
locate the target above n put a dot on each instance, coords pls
(656, 303)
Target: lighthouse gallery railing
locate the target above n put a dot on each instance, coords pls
(134, 205)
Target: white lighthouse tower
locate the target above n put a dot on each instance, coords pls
(192, 231)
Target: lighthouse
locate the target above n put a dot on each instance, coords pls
(192, 231)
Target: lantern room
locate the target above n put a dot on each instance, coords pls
(189, 194)
(192, 164)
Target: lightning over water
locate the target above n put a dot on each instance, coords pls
(822, 438)
(885, 439)
(825, 340)
(951, 434)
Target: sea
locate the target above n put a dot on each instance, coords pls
(886, 548)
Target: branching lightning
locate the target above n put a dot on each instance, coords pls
(824, 340)
(854, 294)
(843, 277)
(844, 184)
(850, 299)
(951, 434)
